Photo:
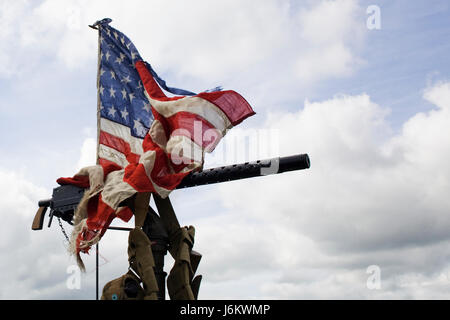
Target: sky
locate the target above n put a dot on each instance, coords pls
(363, 87)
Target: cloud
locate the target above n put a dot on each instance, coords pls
(87, 154)
(35, 264)
(330, 32)
(19, 246)
(199, 40)
(371, 197)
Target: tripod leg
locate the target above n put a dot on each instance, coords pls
(140, 255)
(180, 283)
(141, 261)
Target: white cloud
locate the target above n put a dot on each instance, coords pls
(22, 265)
(370, 197)
(34, 263)
(329, 32)
(87, 154)
(200, 40)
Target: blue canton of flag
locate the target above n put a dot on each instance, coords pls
(121, 92)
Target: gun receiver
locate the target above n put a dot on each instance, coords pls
(63, 203)
(65, 198)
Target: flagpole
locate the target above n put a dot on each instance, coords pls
(97, 26)
(98, 95)
(98, 150)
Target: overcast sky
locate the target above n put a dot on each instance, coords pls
(366, 95)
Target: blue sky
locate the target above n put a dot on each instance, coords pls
(361, 102)
(407, 54)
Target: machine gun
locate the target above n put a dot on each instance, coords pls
(65, 200)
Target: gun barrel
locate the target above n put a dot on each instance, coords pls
(45, 203)
(65, 198)
(246, 170)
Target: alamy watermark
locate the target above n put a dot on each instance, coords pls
(374, 19)
(236, 146)
(374, 280)
(73, 282)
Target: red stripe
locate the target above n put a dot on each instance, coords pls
(109, 167)
(114, 142)
(150, 85)
(170, 181)
(125, 214)
(194, 127)
(136, 176)
(79, 181)
(178, 163)
(105, 163)
(207, 137)
(162, 175)
(100, 216)
(118, 144)
(231, 103)
(236, 108)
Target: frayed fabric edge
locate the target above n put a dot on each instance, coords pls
(80, 225)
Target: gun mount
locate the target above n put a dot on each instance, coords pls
(65, 198)
(159, 228)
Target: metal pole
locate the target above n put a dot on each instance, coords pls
(98, 138)
(96, 271)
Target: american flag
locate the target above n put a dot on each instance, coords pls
(124, 111)
(147, 141)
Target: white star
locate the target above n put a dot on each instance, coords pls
(146, 107)
(131, 96)
(101, 89)
(139, 85)
(139, 128)
(112, 92)
(112, 111)
(126, 79)
(108, 32)
(102, 72)
(124, 94)
(118, 60)
(113, 75)
(122, 40)
(137, 124)
(122, 56)
(124, 114)
(116, 35)
(128, 46)
(133, 55)
(107, 55)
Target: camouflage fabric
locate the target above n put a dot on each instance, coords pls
(125, 287)
(141, 261)
(180, 282)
